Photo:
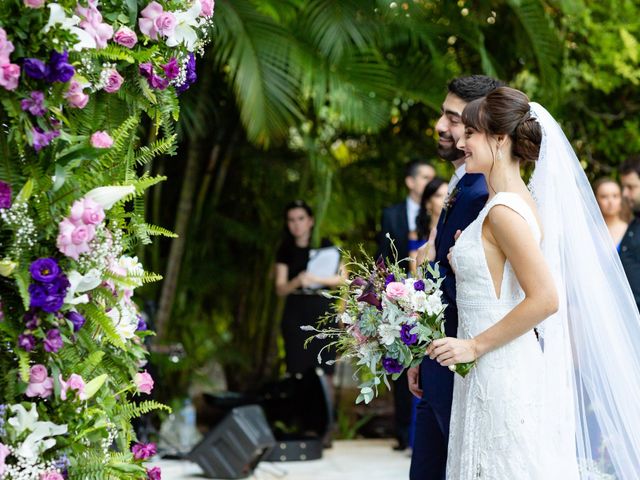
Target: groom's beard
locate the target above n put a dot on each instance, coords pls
(449, 153)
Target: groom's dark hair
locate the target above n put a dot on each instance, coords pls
(473, 87)
(630, 165)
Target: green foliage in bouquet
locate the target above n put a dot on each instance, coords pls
(77, 79)
(387, 319)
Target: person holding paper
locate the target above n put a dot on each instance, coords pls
(302, 273)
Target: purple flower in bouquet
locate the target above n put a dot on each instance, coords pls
(76, 319)
(380, 264)
(154, 473)
(391, 365)
(158, 82)
(60, 70)
(371, 298)
(191, 76)
(142, 325)
(406, 336)
(35, 68)
(35, 104)
(358, 282)
(142, 451)
(41, 138)
(171, 69)
(418, 286)
(146, 70)
(44, 270)
(53, 342)
(26, 341)
(389, 278)
(5, 195)
(31, 320)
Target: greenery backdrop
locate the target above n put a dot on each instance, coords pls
(325, 100)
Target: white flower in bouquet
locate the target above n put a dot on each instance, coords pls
(419, 301)
(388, 333)
(129, 267)
(125, 320)
(81, 283)
(346, 319)
(434, 304)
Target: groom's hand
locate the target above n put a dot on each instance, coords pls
(413, 376)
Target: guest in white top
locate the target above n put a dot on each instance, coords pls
(615, 212)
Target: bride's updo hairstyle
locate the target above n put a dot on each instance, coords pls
(506, 111)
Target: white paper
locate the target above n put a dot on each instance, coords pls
(323, 262)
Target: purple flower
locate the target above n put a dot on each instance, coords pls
(142, 451)
(171, 69)
(391, 365)
(390, 278)
(358, 282)
(406, 336)
(142, 325)
(53, 342)
(191, 75)
(44, 270)
(35, 68)
(31, 320)
(77, 319)
(154, 473)
(26, 341)
(60, 70)
(418, 286)
(380, 264)
(49, 296)
(41, 138)
(35, 104)
(5, 195)
(157, 82)
(371, 298)
(146, 70)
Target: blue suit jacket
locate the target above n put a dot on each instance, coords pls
(469, 197)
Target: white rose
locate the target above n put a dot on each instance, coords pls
(419, 301)
(434, 304)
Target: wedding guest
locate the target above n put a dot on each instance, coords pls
(398, 221)
(630, 245)
(305, 304)
(431, 206)
(609, 197)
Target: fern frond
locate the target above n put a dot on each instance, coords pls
(102, 324)
(131, 410)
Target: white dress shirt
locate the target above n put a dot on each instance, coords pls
(457, 175)
(413, 208)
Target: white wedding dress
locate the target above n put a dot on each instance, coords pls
(497, 427)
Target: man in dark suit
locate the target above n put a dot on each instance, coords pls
(430, 382)
(630, 244)
(397, 221)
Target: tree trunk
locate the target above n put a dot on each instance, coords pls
(183, 214)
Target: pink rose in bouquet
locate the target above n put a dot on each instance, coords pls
(126, 37)
(40, 384)
(144, 382)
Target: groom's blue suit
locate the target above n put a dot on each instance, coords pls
(429, 458)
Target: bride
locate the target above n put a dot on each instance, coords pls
(545, 310)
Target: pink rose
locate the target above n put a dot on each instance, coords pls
(4, 451)
(397, 290)
(144, 382)
(76, 383)
(34, 3)
(101, 139)
(66, 236)
(6, 47)
(126, 37)
(75, 96)
(165, 24)
(9, 75)
(40, 384)
(93, 25)
(207, 8)
(147, 21)
(51, 476)
(92, 213)
(114, 81)
(82, 234)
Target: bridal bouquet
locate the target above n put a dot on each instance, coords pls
(388, 320)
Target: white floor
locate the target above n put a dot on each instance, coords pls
(347, 460)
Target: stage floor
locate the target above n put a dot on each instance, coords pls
(346, 460)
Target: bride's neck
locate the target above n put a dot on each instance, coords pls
(504, 178)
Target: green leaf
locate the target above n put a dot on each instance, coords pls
(25, 192)
(94, 385)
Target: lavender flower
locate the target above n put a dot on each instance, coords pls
(44, 270)
(191, 76)
(35, 68)
(41, 138)
(142, 451)
(142, 325)
(171, 69)
(406, 336)
(389, 278)
(157, 82)
(31, 320)
(77, 319)
(26, 341)
(53, 342)
(391, 365)
(418, 286)
(35, 104)
(5, 195)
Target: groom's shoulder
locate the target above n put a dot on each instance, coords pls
(476, 184)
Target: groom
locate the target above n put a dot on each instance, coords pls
(430, 382)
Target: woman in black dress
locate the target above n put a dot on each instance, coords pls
(305, 304)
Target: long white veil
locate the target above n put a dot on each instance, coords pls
(591, 345)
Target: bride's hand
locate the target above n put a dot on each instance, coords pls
(450, 351)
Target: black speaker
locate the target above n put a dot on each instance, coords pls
(236, 445)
